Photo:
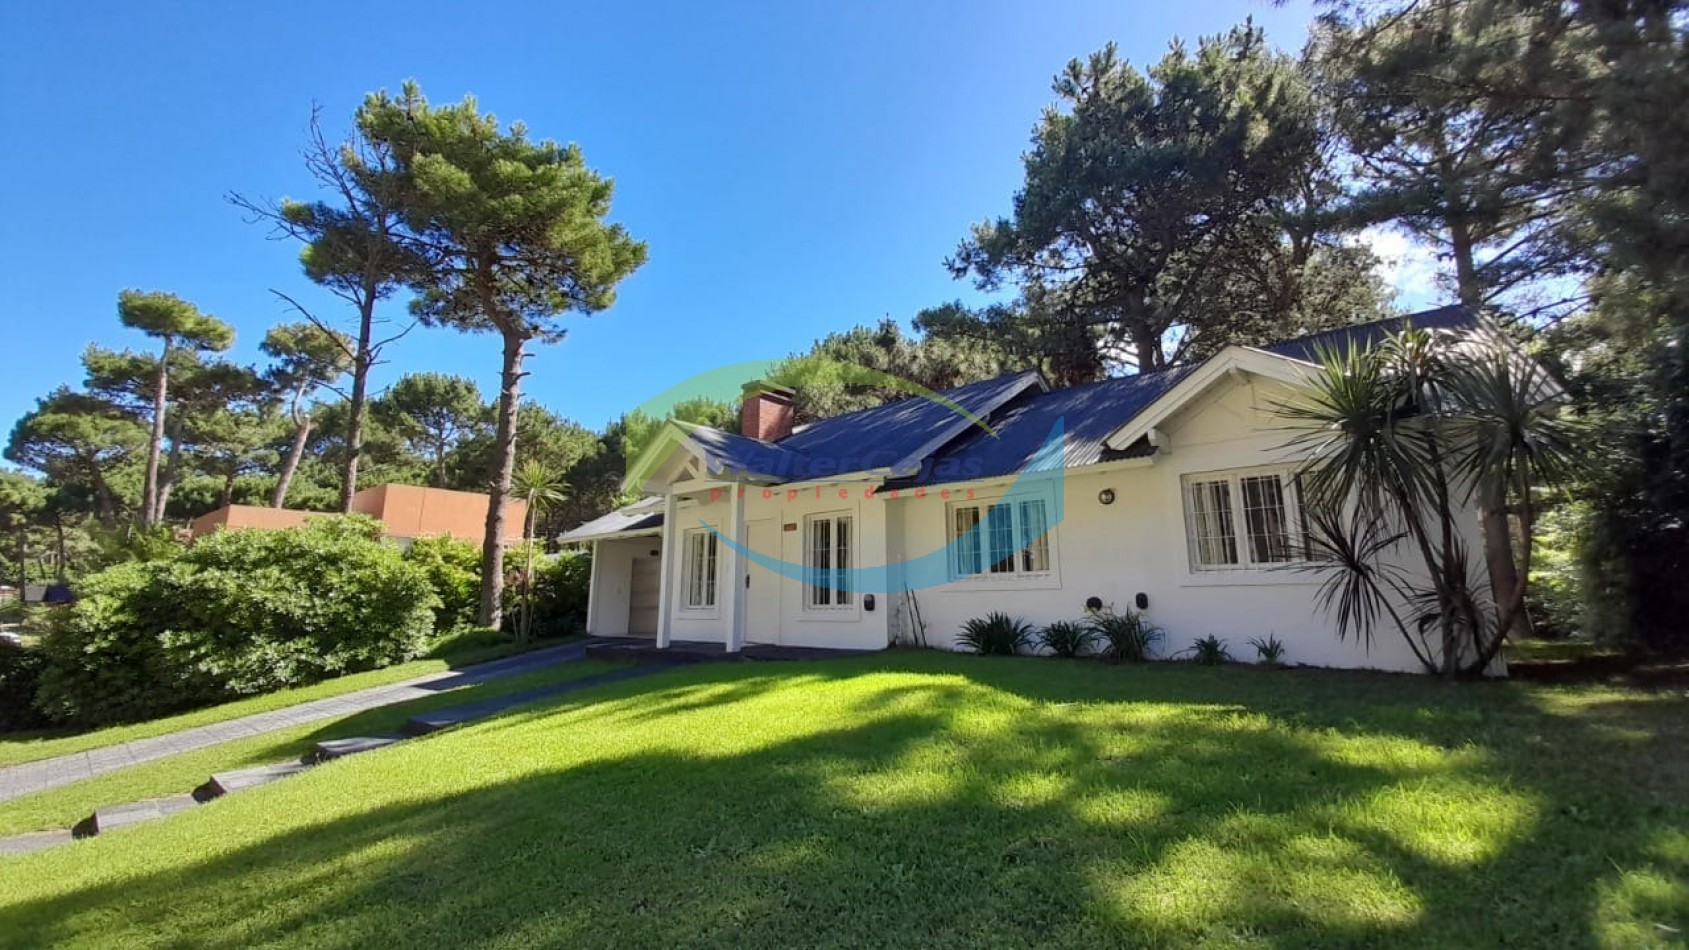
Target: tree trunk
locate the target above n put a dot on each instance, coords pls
(301, 434)
(150, 505)
(167, 481)
(59, 547)
(105, 500)
(528, 575)
(358, 404)
(504, 447)
(1466, 281)
(23, 565)
(1498, 557)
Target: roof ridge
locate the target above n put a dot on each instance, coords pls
(1351, 327)
(938, 392)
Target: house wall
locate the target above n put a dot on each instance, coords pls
(1113, 552)
(612, 578)
(412, 511)
(1138, 544)
(249, 516)
(853, 628)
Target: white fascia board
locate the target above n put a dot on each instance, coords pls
(1222, 365)
(673, 434)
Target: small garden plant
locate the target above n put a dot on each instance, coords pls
(1209, 651)
(1270, 651)
(1067, 638)
(996, 634)
(1124, 636)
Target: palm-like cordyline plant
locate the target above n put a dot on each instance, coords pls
(1399, 438)
(540, 488)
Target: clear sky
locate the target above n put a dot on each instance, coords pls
(796, 168)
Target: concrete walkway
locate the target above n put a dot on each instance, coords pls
(31, 777)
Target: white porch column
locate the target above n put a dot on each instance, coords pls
(592, 597)
(666, 567)
(733, 609)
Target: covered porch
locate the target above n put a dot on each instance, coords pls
(637, 572)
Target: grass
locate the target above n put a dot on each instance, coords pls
(19, 747)
(916, 798)
(59, 808)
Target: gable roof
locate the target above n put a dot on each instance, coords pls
(918, 441)
(729, 453)
(644, 516)
(1307, 348)
(897, 434)
(1087, 414)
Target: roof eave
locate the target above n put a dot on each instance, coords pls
(1243, 359)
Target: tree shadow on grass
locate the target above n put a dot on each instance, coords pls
(994, 803)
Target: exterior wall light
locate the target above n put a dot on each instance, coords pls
(1106, 496)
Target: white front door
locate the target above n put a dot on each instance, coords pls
(762, 595)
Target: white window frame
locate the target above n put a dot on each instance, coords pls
(840, 599)
(1023, 540)
(703, 596)
(1240, 534)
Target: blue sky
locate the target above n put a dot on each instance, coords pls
(795, 168)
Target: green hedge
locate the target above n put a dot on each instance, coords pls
(453, 567)
(20, 676)
(235, 614)
(561, 584)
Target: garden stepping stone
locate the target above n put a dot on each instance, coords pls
(107, 817)
(34, 841)
(337, 748)
(222, 783)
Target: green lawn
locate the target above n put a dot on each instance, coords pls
(61, 807)
(925, 799)
(21, 747)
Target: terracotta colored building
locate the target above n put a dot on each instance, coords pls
(408, 512)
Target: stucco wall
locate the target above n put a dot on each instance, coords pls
(854, 628)
(1138, 544)
(411, 511)
(249, 516)
(612, 576)
(1135, 545)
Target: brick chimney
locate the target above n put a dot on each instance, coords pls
(766, 411)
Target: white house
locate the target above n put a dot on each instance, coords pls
(1171, 492)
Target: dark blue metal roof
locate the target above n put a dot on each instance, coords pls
(1020, 409)
(1455, 317)
(883, 435)
(1087, 413)
(638, 517)
(733, 455)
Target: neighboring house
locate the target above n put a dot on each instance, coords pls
(407, 512)
(1172, 491)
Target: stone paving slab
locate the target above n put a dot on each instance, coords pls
(109, 817)
(35, 841)
(338, 748)
(30, 777)
(222, 783)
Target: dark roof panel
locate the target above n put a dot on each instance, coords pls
(1455, 317)
(882, 435)
(1087, 413)
(636, 517)
(738, 455)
